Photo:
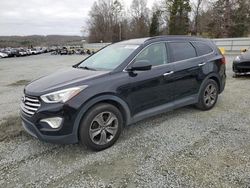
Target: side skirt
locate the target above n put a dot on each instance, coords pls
(165, 108)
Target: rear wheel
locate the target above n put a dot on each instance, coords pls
(209, 95)
(101, 127)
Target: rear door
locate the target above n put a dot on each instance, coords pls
(187, 68)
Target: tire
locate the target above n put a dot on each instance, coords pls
(236, 75)
(100, 127)
(208, 96)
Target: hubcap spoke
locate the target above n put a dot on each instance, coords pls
(103, 138)
(95, 132)
(206, 97)
(111, 130)
(110, 120)
(208, 101)
(212, 90)
(99, 120)
(213, 96)
(209, 89)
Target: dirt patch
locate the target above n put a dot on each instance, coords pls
(10, 127)
(20, 83)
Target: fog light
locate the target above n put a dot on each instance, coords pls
(54, 122)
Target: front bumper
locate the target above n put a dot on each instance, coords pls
(241, 67)
(32, 129)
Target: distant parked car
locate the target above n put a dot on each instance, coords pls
(28, 52)
(54, 53)
(88, 52)
(22, 52)
(12, 52)
(241, 63)
(80, 52)
(64, 51)
(3, 55)
(33, 51)
(38, 51)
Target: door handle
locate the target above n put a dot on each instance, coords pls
(201, 64)
(168, 73)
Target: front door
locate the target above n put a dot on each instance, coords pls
(152, 88)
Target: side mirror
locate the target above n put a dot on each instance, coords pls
(141, 65)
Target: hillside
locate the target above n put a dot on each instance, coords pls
(39, 40)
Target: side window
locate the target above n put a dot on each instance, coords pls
(202, 48)
(156, 54)
(181, 51)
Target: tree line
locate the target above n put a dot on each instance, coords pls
(39, 40)
(110, 21)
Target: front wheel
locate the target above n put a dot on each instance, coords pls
(101, 127)
(209, 95)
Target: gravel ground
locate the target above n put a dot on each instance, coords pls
(181, 148)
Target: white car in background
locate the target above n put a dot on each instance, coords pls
(33, 51)
(2, 55)
(29, 52)
(23, 52)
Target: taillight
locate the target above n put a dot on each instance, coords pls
(223, 60)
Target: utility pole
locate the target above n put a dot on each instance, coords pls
(120, 31)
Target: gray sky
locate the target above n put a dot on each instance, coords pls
(45, 17)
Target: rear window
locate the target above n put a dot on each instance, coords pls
(202, 48)
(181, 51)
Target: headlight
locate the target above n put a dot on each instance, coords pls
(237, 58)
(62, 95)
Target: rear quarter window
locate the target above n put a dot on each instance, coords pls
(202, 48)
(181, 50)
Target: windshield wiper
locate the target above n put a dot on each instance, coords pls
(87, 68)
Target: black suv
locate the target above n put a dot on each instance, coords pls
(120, 85)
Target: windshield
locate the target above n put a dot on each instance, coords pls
(109, 58)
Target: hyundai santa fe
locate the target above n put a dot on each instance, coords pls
(121, 84)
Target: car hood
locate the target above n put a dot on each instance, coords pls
(61, 79)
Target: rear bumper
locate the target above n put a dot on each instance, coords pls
(223, 84)
(33, 131)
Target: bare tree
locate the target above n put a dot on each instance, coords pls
(140, 19)
(227, 17)
(197, 8)
(109, 22)
(105, 20)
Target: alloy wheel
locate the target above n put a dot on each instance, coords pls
(210, 95)
(103, 128)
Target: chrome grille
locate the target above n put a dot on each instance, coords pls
(30, 105)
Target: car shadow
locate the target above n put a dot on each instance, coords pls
(135, 129)
(130, 132)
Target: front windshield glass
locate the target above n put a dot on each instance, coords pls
(109, 58)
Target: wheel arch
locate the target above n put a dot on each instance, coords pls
(107, 98)
(214, 77)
